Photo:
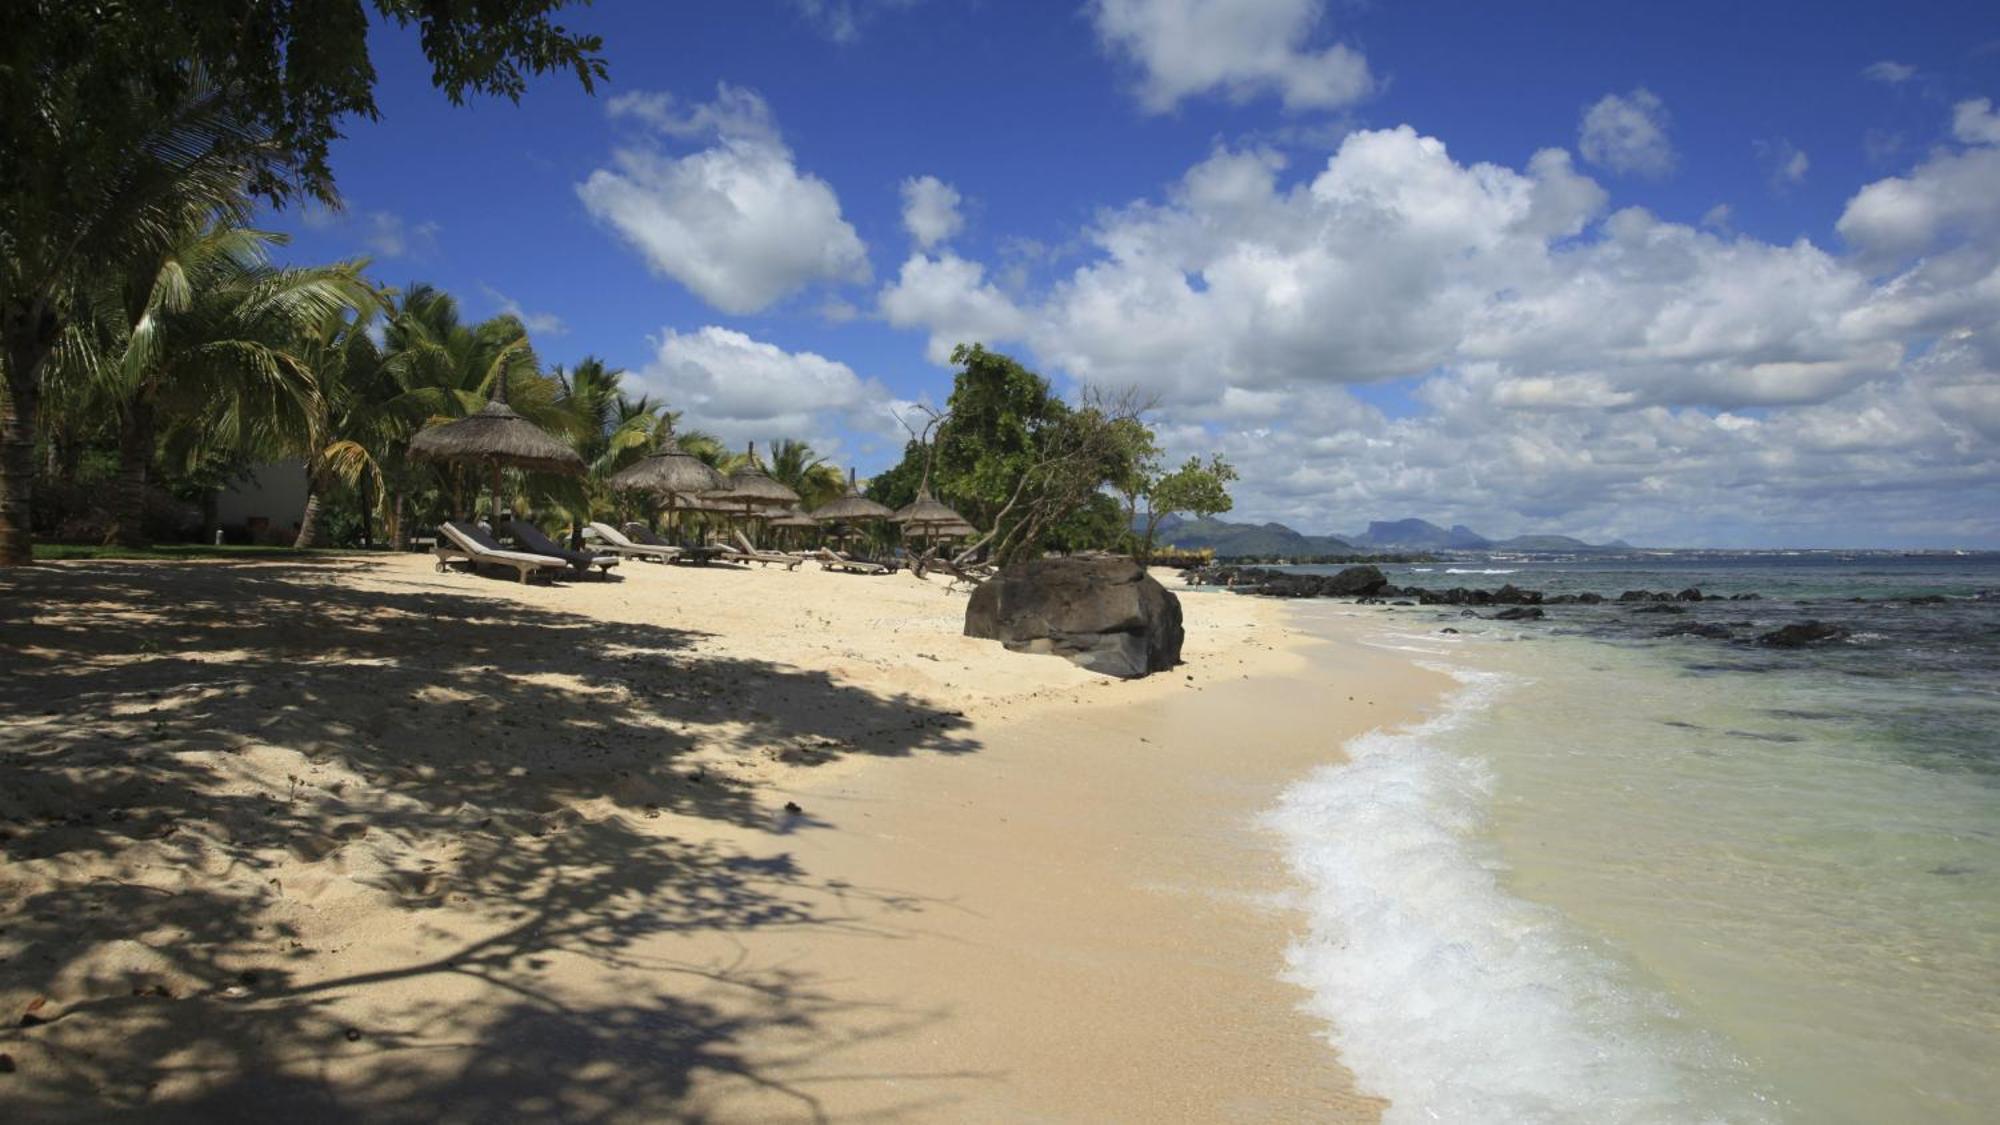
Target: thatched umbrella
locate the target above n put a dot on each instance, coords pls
(672, 474)
(851, 507)
(790, 519)
(496, 437)
(926, 514)
(751, 488)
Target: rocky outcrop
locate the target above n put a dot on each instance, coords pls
(1105, 614)
(1802, 635)
(1709, 630)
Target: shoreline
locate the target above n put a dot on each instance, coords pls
(1056, 905)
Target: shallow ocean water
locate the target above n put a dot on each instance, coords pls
(1625, 878)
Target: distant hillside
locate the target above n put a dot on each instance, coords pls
(1230, 540)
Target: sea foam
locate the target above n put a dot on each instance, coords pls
(1444, 992)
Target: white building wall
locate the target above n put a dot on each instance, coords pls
(275, 492)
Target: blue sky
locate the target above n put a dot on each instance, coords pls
(1685, 274)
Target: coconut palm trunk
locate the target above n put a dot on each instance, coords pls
(27, 334)
(135, 460)
(309, 519)
(399, 540)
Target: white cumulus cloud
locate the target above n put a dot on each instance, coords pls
(743, 389)
(1627, 133)
(736, 222)
(931, 211)
(1570, 366)
(951, 299)
(1240, 48)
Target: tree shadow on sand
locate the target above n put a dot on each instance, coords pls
(494, 774)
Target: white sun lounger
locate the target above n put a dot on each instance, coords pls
(618, 542)
(466, 542)
(745, 551)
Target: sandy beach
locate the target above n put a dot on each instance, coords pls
(351, 838)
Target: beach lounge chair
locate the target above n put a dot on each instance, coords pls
(619, 543)
(831, 560)
(531, 539)
(687, 556)
(460, 541)
(746, 552)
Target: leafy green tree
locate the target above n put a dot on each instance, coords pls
(123, 121)
(1194, 487)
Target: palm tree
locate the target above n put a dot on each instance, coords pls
(204, 328)
(449, 368)
(795, 465)
(75, 207)
(355, 424)
(610, 430)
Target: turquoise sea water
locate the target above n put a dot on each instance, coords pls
(1621, 877)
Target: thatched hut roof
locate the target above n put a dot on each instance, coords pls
(497, 436)
(670, 471)
(925, 511)
(851, 507)
(752, 487)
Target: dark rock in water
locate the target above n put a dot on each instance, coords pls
(1635, 596)
(1402, 601)
(1511, 594)
(1691, 594)
(1746, 597)
(1698, 629)
(1519, 613)
(1802, 634)
(1467, 613)
(1589, 599)
(1927, 599)
(1561, 599)
(1355, 580)
(1447, 629)
(1660, 607)
(1105, 614)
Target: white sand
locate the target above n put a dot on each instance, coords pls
(353, 838)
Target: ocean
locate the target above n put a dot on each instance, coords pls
(1625, 877)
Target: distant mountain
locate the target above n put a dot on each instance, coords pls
(1236, 540)
(1230, 540)
(1543, 543)
(1421, 535)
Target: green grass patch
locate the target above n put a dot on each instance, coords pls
(55, 552)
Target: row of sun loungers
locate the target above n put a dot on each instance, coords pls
(536, 554)
(460, 541)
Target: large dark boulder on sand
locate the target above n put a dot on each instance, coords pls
(1106, 614)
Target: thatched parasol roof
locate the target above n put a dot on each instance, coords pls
(851, 507)
(496, 436)
(668, 471)
(752, 487)
(792, 518)
(925, 511)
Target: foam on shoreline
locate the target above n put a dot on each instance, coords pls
(1443, 992)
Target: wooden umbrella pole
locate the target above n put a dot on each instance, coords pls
(496, 476)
